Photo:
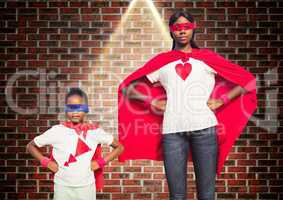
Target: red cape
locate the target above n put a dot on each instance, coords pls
(143, 141)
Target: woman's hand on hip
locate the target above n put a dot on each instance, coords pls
(159, 104)
(213, 104)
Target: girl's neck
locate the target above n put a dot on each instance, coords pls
(77, 122)
(187, 48)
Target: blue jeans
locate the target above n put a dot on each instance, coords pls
(203, 146)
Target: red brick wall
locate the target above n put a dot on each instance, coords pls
(49, 46)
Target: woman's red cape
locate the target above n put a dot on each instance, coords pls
(140, 128)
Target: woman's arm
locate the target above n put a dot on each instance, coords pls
(133, 94)
(235, 92)
(213, 104)
(35, 152)
(118, 149)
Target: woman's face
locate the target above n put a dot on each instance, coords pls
(182, 37)
(75, 117)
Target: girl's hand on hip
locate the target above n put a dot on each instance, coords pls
(94, 165)
(52, 166)
(213, 104)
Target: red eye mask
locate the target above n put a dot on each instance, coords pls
(182, 26)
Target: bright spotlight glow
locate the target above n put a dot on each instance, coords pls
(139, 35)
(145, 12)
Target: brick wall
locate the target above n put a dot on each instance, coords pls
(48, 46)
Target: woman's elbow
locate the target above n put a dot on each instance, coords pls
(243, 90)
(125, 91)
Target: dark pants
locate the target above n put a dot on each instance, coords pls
(203, 144)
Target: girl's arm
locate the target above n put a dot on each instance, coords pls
(35, 152)
(118, 149)
(232, 94)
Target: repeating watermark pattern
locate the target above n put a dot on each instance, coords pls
(50, 99)
(270, 120)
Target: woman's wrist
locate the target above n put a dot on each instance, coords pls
(225, 99)
(148, 101)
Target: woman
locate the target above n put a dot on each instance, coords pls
(197, 117)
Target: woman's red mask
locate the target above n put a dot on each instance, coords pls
(182, 26)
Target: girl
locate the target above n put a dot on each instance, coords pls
(76, 151)
(200, 117)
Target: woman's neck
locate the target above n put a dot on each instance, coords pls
(186, 48)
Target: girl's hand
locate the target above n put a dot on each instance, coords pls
(213, 104)
(52, 166)
(94, 165)
(159, 104)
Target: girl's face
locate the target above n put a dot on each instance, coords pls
(182, 37)
(76, 117)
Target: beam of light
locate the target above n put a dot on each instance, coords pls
(157, 23)
(140, 35)
(156, 16)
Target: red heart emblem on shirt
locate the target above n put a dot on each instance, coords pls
(183, 70)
